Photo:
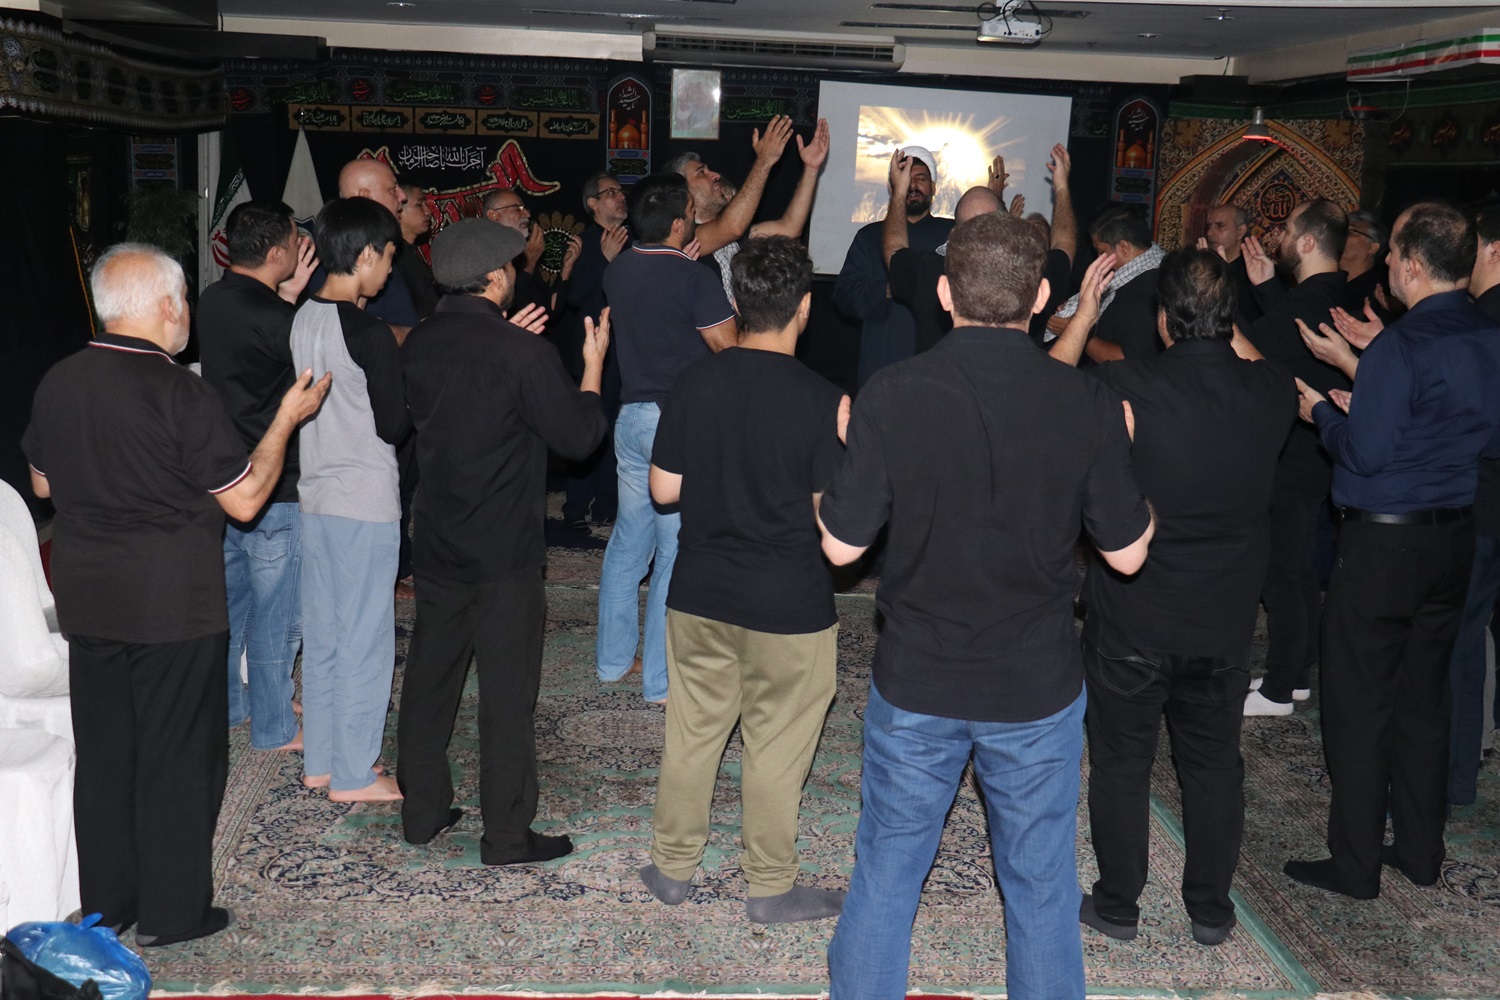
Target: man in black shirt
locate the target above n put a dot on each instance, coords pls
(488, 399)
(142, 464)
(746, 444)
(245, 344)
(1225, 231)
(1309, 252)
(1127, 313)
(1175, 638)
(986, 458)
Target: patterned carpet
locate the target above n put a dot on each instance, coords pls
(328, 897)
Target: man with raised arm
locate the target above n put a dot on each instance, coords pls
(142, 463)
(986, 458)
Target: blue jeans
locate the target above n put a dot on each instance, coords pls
(912, 766)
(640, 533)
(1466, 673)
(349, 645)
(262, 575)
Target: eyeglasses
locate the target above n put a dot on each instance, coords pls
(505, 208)
(1361, 232)
(609, 191)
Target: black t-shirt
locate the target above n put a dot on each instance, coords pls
(985, 457)
(1130, 320)
(1304, 465)
(133, 447)
(1058, 272)
(1208, 429)
(754, 435)
(245, 347)
(488, 399)
(660, 303)
(914, 275)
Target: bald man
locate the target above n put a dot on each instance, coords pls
(373, 179)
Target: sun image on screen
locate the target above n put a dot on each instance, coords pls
(962, 149)
(964, 130)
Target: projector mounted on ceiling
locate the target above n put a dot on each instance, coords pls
(1010, 31)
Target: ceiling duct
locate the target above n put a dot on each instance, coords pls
(726, 47)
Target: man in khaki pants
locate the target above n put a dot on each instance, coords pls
(747, 440)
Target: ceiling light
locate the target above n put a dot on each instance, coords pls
(1222, 15)
(1148, 34)
(400, 3)
(1257, 131)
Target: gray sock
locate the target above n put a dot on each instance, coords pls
(669, 890)
(800, 902)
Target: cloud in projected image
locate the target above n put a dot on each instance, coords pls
(962, 149)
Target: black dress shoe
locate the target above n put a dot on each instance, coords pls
(454, 815)
(1210, 936)
(1388, 858)
(1089, 916)
(1324, 875)
(539, 848)
(218, 919)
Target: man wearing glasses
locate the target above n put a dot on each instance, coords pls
(507, 208)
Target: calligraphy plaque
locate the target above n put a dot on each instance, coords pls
(383, 119)
(506, 122)
(568, 126)
(445, 121)
(318, 117)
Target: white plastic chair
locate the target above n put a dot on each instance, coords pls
(38, 859)
(15, 515)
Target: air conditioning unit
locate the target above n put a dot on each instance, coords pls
(800, 50)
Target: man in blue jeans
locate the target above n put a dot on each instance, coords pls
(986, 457)
(667, 312)
(244, 332)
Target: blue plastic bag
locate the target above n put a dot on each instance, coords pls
(82, 951)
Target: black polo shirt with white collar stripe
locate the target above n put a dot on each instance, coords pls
(134, 447)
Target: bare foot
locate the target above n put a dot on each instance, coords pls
(382, 789)
(296, 707)
(405, 589)
(322, 780)
(295, 744)
(635, 667)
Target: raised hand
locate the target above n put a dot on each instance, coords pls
(1061, 166)
(536, 245)
(595, 339)
(1095, 280)
(1328, 347)
(900, 175)
(307, 263)
(1356, 332)
(1018, 205)
(998, 178)
(768, 147)
(1340, 398)
(1310, 398)
(693, 249)
(532, 318)
(815, 152)
(613, 241)
(570, 255)
(1259, 266)
(304, 397)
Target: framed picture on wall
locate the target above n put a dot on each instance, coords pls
(695, 104)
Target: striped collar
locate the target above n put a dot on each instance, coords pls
(128, 345)
(658, 248)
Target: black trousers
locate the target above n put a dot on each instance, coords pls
(1393, 610)
(1291, 593)
(150, 726)
(1202, 697)
(500, 623)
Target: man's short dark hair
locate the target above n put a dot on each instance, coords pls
(994, 267)
(254, 228)
(1442, 237)
(1196, 294)
(769, 275)
(346, 226)
(655, 203)
(1327, 224)
(1122, 222)
(591, 188)
(1487, 224)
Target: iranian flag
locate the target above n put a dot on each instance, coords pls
(224, 187)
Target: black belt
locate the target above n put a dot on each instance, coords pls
(1443, 515)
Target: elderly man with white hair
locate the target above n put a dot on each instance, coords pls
(142, 463)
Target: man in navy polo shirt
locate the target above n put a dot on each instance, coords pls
(667, 312)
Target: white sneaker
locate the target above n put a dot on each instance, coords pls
(1298, 694)
(1258, 704)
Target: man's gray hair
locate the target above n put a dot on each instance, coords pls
(678, 164)
(134, 293)
(1370, 224)
(591, 187)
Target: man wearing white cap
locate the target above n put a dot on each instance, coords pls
(861, 291)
